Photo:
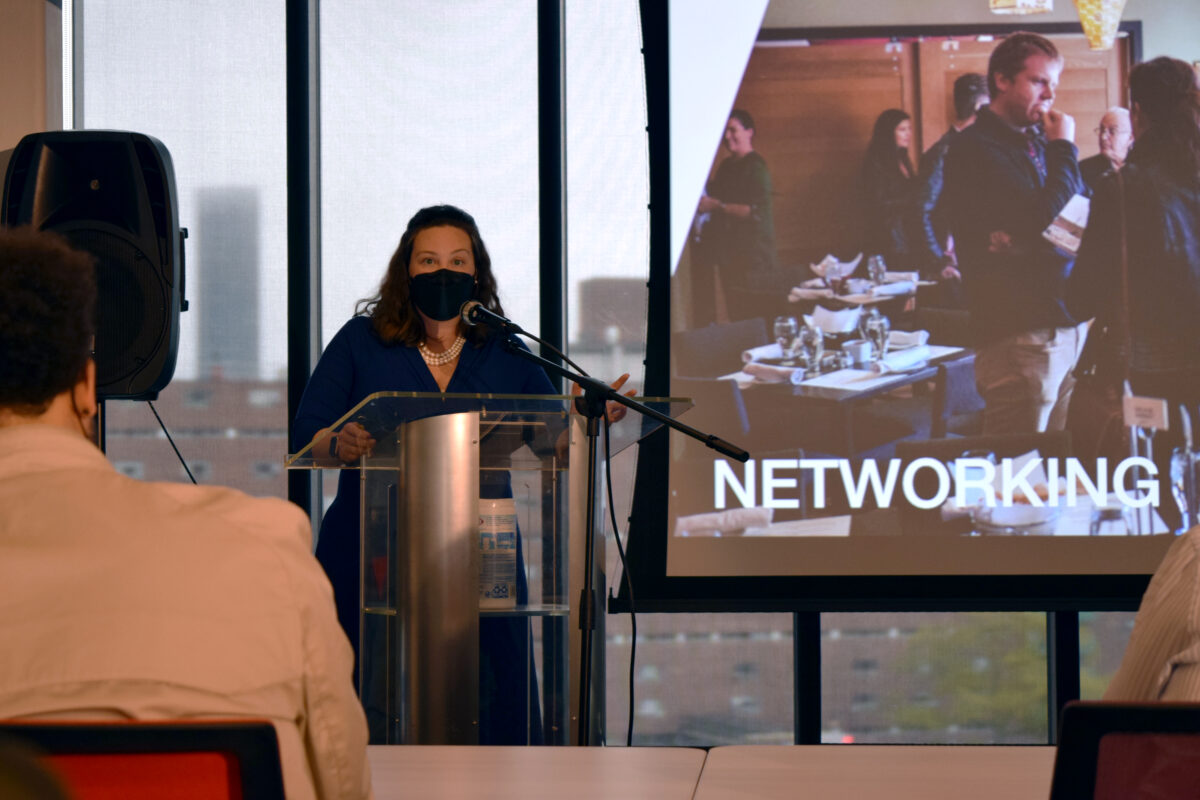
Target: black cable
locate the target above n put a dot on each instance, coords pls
(172, 441)
(612, 512)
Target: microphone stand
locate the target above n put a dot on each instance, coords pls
(592, 406)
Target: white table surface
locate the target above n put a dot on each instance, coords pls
(876, 772)
(534, 773)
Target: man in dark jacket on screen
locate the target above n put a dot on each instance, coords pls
(1007, 177)
(970, 94)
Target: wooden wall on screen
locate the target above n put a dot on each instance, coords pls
(1092, 81)
(814, 107)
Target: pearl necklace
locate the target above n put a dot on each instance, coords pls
(444, 357)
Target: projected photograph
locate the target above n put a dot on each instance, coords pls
(887, 321)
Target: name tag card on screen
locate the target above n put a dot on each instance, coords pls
(1145, 412)
(1066, 231)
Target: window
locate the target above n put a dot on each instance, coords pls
(719, 682)
(865, 666)
(266, 469)
(130, 469)
(202, 471)
(264, 398)
(608, 190)
(197, 398)
(935, 677)
(1102, 640)
(206, 78)
(409, 120)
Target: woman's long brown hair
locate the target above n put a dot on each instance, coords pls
(392, 313)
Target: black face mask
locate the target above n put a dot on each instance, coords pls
(439, 295)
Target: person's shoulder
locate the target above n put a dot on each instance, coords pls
(1182, 557)
(357, 327)
(1179, 569)
(967, 148)
(977, 136)
(1189, 541)
(498, 356)
(1104, 186)
(1145, 185)
(265, 518)
(498, 344)
(988, 131)
(1152, 174)
(358, 332)
(936, 154)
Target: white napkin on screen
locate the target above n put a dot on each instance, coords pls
(799, 293)
(902, 360)
(899, 339)
(717, 522)
(842, 321)
(831, 267)
(890, 289)
(772, 350)
(769, 373)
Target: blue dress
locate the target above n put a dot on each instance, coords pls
(356, 364)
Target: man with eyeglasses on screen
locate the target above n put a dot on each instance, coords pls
(1116, 137)
(125, 599)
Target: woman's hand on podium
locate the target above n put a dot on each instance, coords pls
(351, 443)
(613, 411)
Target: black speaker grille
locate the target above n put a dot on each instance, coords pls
(134, 308)
(111, 193)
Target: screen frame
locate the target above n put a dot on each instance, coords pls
(655, 590)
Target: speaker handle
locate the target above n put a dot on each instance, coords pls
(183, 303)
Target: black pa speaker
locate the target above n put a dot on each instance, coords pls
(112, 194)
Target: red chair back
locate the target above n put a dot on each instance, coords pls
(1111, 751)
(184, 760)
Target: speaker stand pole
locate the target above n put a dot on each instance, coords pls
(593, 405)
(98, 437)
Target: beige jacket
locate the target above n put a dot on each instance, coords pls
(128, 599)
(1162, 659)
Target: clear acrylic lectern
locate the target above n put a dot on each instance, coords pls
(436, 456)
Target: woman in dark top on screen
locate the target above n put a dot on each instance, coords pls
(737, 235)
(1159, 189)
(409, 337)
(888, 190)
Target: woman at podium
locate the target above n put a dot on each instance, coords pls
(410, 337)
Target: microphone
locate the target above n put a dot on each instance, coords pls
(474, 313)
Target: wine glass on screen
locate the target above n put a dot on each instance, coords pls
(877, 328)
(876, 269)
(1183, 471)
(974, 468)
(812, 345)
(787, 332)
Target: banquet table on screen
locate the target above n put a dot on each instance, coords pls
(840, 391)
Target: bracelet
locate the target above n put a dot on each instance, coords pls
(333, 446)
